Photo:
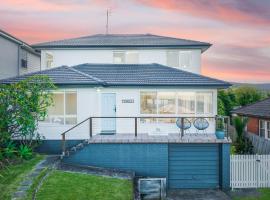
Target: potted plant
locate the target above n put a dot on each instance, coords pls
(220, 133)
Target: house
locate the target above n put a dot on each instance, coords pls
(135, 102)
(258, 126)
(17, 57)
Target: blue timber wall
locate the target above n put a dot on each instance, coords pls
(54, 147)
(184, 165)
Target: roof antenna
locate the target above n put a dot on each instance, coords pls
(107, 22)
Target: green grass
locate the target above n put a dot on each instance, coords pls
(74, 186)
(265, 195)
(13, 175)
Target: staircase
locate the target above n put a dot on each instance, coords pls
(74, 149)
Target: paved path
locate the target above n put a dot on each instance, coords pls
(197, 194)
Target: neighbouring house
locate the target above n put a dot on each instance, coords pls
(258, 126)
(135, 102)
(17, 57)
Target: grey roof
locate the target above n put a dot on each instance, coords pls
(123, 40)
(259, 109)
(125, 75)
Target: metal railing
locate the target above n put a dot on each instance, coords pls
(181, 120)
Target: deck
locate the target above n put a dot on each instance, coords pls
(145, 138)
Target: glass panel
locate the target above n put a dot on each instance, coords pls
(71, 103)
(132, 57)
(262, 128)
(119, 57)
(166, 103)
(148, 103)
(173, 58)
(71, 120)
(208, 98)
(148, 120)
(200, 103)
(57, 119)
(268, 129)
(167, 120)
(185, 59)
(58, 105)
(186, 103)
(49, 60)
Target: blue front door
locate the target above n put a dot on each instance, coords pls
(108, 109)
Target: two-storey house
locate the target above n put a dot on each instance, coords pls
(17, 57)
(140, 103)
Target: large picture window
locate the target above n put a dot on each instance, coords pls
(172, 103)
(64, 110)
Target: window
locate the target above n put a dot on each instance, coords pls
(179, 59)
(268, 129)
(64, 110)
(186, 103)
(166, 103)
(184, 59)
(119, 57)
(49, 59)
(262, 128)
(132, 57)
(23, 59)
(173, 58)
(204, 102)
(128, 57)
(148, 103)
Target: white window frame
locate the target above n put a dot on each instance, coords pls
(125, 56)
(266, 130)
(49, 61)
(187, 55)
(176, 104)
(64, 104)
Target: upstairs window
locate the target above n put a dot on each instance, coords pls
(179, 59)
(204, 101)
(148, 102)
(125, 57)
(166, 103)
(186, 103)
(49, 59)
(262, 128)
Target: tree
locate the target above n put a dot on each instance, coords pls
(246, 95)
(22, 105)
(226, 101)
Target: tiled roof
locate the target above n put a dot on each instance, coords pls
(123, 40)
(258, 109)
(125, 75)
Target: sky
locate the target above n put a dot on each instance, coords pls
(238, 29)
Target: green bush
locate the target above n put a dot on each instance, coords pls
(25, 152)
(10, 150)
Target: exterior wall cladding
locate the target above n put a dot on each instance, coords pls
(253, 125)
(184, 165)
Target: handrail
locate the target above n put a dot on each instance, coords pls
(136, 124)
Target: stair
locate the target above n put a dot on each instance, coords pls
(74, 149)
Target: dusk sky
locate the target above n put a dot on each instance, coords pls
(238, 29)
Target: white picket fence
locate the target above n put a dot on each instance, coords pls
(250, 171)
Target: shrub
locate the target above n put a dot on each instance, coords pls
(25, 152)
(10, 150)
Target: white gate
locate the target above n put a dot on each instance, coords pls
(250, 171)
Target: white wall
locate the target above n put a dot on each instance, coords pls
(71, 57)
(88, 104)
(33, 64)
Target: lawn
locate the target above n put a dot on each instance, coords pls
(13, 175)
(265, 195)
(61, 185)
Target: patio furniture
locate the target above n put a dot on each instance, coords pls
(201, 124)
(186, 125)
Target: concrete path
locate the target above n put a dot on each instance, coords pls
(197, 194)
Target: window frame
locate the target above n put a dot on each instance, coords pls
(64, 116)
(49, 59)
(125, 56)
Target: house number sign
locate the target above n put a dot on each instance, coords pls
(127, 100)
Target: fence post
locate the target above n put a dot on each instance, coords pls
(90, 127)
(63, 144)
(136, 130)
(182, 126)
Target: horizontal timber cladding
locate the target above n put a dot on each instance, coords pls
(193, 166)
(144, 159)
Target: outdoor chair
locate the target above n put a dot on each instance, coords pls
(186, 125)
(201, 124)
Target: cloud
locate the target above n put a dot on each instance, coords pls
(231, 11)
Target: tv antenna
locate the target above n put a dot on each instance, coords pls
(108, 13)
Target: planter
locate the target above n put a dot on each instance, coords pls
(220, 134)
